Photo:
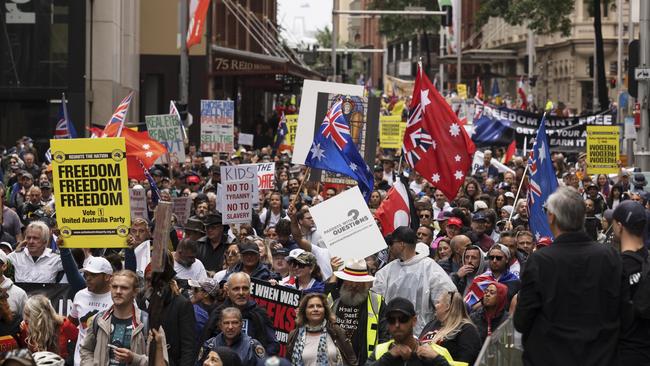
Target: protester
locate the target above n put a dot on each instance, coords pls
(493, 311)
(9, 324)
(138, 241)
(43, 329)
(473, 265)
(211, 248)
(14, 295)
(251, 264)
(307, 276)
(317, 339)
(587, 331)
(36, 262)
(186, 265)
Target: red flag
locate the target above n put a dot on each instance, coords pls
(436, 145)
(479, 89)
(198, 11)
(510, 152)
(139, 147)
(522, 93)
(394, 210)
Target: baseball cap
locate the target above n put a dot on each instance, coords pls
(480, 205)
(293, 254)
(306, 258)
(248, 247)
(210, 286)
(283, 252)
(630, 214)
(46, 185)
(400, 305)
(7, 245)
(509, 195)
(193, 179)
(455, 221)
(98, 265)
(479, 216)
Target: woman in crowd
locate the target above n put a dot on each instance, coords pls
(375, 200)
(265, 250)
(602, 181)
(43, 329)
(499, 202)
(616, 196)
(307, 275)
(443, 252)
(317, 340)
(9, 324)
(274, 212)
(494, 311)
(453, 328)
(472, 190)
(231, 258)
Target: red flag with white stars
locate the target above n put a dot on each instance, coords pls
(436, 144)
(139, 147)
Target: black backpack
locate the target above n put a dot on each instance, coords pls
(641, 298)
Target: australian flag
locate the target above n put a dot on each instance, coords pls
(542, 182)
(490, 130)
(281, 134)
(334, 150)
(64, 127)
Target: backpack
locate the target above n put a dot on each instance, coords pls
(641, 298)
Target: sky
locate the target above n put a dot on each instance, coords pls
(301, 18)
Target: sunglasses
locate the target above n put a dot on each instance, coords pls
(425, 216)
(493, 257)
(402, 319)
(298, 265)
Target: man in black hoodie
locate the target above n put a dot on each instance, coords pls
(259, 324)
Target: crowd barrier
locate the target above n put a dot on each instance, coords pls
(502, 348)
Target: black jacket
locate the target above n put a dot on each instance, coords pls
(570, 303)
(260, 326)
(464, 346)
(179, 324)
(480, 320)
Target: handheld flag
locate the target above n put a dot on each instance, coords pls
(281, 134)
(64, 127)
(334, 150)
(479, 89)
(119, 117)
(141, 150)
(397, 209)
(173, 110)
(522, 93)
(541, 183)
(435, 142)
(510, 152)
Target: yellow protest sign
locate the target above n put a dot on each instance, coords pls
(292, 126)
(391, 132)
(461, 89)
(91, 191)
(602, 149)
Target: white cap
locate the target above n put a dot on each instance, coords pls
(294, 254)
(480, 205)
(509, 195)
(98, 265)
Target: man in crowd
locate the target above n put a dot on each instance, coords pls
(440, 203)
(186, 265)
(412, 276)
(479, 225)
(359, 311)
(36, 262)
(194, 228)
(308, 228)
(138, 240)
(525, 242)
(16, 295)
(559, 326)
(259, 326)
(473, 265)
(212, 246)
(425, 234)
(31, 205)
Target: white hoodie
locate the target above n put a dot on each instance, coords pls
(17, 296)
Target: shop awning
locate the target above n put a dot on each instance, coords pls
(481, 56)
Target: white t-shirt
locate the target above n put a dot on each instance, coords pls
(142, 256)
(85, 305)
(194, 272)
(323, 259)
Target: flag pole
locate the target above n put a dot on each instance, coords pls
(523, 176)
(307, 174)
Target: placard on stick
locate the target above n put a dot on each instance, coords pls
(181, 207)
(138, 198)
(163, 219)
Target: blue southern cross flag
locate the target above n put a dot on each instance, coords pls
(334, 150)
(541, 183)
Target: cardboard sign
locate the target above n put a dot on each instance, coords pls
(281, 305)
(217, 117)
(461, 89)
(391, 132)
(163, 218)
(265, 175)
(91, 191)
(238, 193)
(292, 126)
(138, 198)
(347, 226)
(166, 129)
(182, 208)
(602, 149)
(246, 139)
(307, 117)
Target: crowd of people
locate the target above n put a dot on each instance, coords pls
(464, 266)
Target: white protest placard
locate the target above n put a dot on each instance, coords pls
(307, 115)
(182, 208)
(166, 129)
(219, 206)
(347, 226)
(246, 139)
(240, 172)
(217, 129)
(238, 197)
(138, 198)
(265, 175)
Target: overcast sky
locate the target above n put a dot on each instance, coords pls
(301, 18)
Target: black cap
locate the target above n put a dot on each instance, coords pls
(400, 305)
(213, 219)
(630, 214)
(194, 224)
(378, 168)
(248, 247)
(479, 216)
(283, 252)
(46, 185)
(405, 234)
(157, 172)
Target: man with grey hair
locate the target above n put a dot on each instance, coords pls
(33, 260)
(570, 301)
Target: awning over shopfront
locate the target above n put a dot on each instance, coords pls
(480, 56)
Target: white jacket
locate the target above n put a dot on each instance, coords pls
(420, 280)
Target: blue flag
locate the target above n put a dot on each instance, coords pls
(282, 132)
(490, 130)
(542, 183)
(64, 127)
(334, 150)
(495, 88)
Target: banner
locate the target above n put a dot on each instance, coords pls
(182, 208)
(347, 226)
(166, 129)
(292, 127)
(461, 89)
(217, 118)
(565, 134)
(265, 175)
(281, 305)
(602, 149)
(239, 191)
(138, 200)
(56, 292)
(391, 132)
(92, 192)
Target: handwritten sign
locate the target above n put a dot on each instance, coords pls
(265, 175)
(166, 129)
(217, 117)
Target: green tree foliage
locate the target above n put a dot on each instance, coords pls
(542, 16)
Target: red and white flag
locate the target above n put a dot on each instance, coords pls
(436, 144)
(479, 89)
(198, 11)
(510, 152)
(119, 117)
(394, 210)
(522, 93)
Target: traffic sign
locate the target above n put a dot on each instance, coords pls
(642, 73)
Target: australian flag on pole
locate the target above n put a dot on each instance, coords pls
(282, 132)
(542, 182)
(334, 150)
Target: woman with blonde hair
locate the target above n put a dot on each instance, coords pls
(43, 329)
(453, 329)
(317, 340)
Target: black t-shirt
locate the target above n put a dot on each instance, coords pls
(353, 319)
(121, 331)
